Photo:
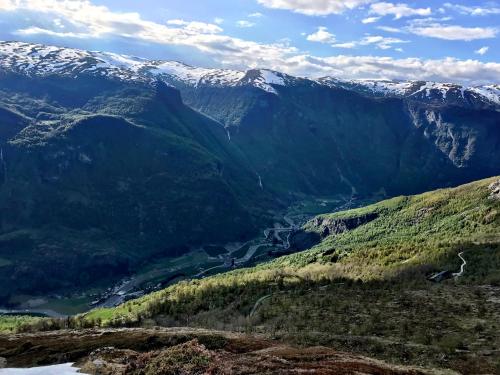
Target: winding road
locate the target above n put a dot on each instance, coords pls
(462, 266)
(118, 295)
(263, 298)
(257, 304)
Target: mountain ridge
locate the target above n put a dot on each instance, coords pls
(28, 58)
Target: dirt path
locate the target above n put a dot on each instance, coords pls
(462, 266)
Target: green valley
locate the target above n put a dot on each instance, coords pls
(162, 218)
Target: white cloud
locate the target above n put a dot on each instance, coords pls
(473, 11)
(470, 72)
(397, 10)
(348, 45)
(434, 28)
(322, 35)
(370, 20)
(85, 20)
(60, 34)
(481, 51)
(452, 32)
(58, 23)
(256, 15)
(377, 40)
(218, 20)
(82, 19)
(196, 27)
(314, 7)
(245, 23)
(390, 29)
(7, 5)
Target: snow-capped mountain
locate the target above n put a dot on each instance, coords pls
(41, 60)
(104, 165)
(434, 92)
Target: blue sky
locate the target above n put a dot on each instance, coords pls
(439, 40)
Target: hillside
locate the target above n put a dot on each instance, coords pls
(414, 234)
(363, 288)
(98, 176)
(304, 136)
(110, 163)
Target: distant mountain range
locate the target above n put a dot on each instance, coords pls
(36, 59)
(107, 161)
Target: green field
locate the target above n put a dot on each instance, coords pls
(10, 324)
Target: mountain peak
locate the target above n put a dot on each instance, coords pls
(38, 59)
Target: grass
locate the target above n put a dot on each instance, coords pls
(364, 289)
(426, 229)
(13, 323)
(423, 232)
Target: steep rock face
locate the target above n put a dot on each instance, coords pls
(327, 226)
(465, 137)
(315, 139)
(321, 227)
(495, 190)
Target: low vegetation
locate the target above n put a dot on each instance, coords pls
(16, 323)
(364, 289)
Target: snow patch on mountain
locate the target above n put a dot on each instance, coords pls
(418, 90)
(198, 76)
(428, 88)
(41, 60)
(265, 79)
(37, 59)
(491, 92)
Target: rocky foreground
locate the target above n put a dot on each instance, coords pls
(184, 351)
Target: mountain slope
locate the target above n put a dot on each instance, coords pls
(37, 59)
(103, 166)
(363, 288)
(314, 136)
(98, 175)
(409, 233)
(478, 97)
(322, 140)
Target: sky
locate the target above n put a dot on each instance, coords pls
(446, 41)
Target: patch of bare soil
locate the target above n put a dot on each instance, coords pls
(186, 351)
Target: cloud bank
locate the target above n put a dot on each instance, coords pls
(83, 19)
(314, 7)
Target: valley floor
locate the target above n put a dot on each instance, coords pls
(199, 262)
